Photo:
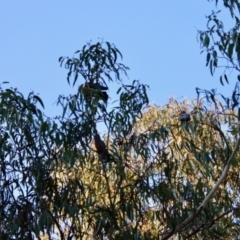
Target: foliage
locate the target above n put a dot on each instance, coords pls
(54, 184)
(223, 45)
(164, 178)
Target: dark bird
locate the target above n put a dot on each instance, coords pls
(104, 96)
(96, 90)
(184, 117)
(101, 148)
(96, 86)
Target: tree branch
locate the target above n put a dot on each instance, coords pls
(211, 223)
(184, 224)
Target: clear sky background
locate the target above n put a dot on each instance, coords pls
(158, 40)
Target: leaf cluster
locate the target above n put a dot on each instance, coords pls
(55, 185)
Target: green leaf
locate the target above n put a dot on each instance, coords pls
(230, 50)
(226, 79)
(39, 100)
(234, 36)
(108, 76)
(208, 58)
(115, 55)
(215, 62)
(44, 127)
(118, 52)
(75, 78)
(119, 90)
(221, 81)
(109, 46)
(206, 41)
(214, 54)
(68, 77)
(10, 91)
(64, 111)
(109, 56)
(211, 67)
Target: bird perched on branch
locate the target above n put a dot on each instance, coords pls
(101, 148)
(90, 89)
(184, 117)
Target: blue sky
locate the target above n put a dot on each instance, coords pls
(158, 40)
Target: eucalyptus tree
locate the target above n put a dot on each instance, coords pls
(159, 172)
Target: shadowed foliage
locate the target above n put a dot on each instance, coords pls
(158, 172)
